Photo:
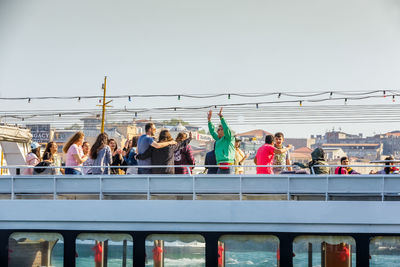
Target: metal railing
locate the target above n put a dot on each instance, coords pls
(284, 186)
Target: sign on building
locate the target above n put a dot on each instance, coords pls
(40, 132)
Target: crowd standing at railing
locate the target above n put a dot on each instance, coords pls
(145, 155)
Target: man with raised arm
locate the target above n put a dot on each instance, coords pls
(144, 142)
(224, 145)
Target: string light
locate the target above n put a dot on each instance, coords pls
(207, 96)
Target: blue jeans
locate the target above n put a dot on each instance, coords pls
(72, 171)
(225, 171)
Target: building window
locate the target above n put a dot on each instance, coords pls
(325, 251)
(98, 249)
(248, 250)
(35, 249)
(384, 251)
(175, 250)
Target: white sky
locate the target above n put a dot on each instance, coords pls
(50, 47)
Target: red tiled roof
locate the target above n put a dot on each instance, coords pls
(255, 133)
(347, 145)
(394, 133)
(295, 155)
(302, 150)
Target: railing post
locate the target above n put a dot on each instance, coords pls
(12, 188)
(101, 187)
(54, 187)
(383, 188)
(327, 188)
(194, 188)
(148, 187)
(240, 188)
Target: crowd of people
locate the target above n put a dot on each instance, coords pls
(146, 155)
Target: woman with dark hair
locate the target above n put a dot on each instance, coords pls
(130, 156)
(183, 155)
(74, 154)
(50, 156)
(165, 155)
(117, 158)
(389, 161)
(100, 153)
(33, 158)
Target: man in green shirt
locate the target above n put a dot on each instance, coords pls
(224, 145)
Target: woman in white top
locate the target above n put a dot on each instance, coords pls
(74, 154)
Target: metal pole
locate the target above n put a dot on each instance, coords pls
(103, 104)
(2, 158)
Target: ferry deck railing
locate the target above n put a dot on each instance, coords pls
(377, 187)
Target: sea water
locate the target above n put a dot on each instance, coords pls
(253, 259)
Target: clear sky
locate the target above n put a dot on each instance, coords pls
(51, 47)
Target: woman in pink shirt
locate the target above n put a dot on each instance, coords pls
(33, 158)
(74, 154)
(265, 155)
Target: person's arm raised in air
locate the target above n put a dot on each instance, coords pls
(227, 131)
(282, 150)
(211, 127)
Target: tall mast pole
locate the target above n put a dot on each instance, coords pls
(104, 104)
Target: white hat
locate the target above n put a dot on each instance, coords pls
(34, 145)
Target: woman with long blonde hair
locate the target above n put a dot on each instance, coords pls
(74, 154)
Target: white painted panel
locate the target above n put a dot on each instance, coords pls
(264, 183)
(308, 184)
(219, 184)
(78, 184)
(355, 184)
(171, 184)
(35, 184)
(118, 184)
(5, 184)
